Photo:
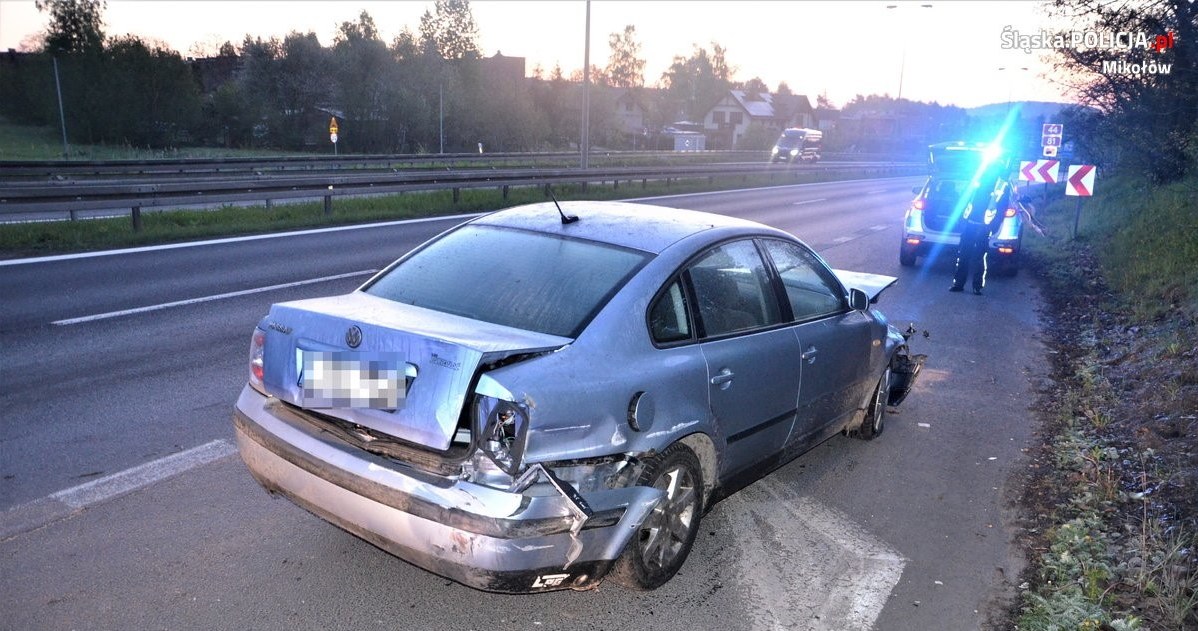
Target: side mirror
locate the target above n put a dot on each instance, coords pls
(858, 300)
(916, 189)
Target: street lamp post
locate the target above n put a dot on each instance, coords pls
(1010, 82)
(903, 60)
(585, 142)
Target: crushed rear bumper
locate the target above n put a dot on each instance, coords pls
(479, 536)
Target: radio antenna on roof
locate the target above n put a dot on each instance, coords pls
(566, 219)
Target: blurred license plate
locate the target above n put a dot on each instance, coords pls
(350, 379)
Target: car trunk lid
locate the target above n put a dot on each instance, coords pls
(439, 352)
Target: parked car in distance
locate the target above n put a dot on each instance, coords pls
(931, 222)
(544, 395)
(797, 145)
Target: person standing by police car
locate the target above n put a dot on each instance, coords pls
(981, 218)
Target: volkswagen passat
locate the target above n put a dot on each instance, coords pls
(543, 396)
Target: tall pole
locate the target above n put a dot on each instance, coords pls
(441, 114)
(903, 61)
(62, 119)
(585, 144)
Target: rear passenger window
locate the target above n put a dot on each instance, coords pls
(732, 290)
(668, 321)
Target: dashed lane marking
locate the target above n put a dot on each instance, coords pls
(810, 201)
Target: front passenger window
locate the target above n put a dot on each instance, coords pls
(811, 293)
(733, 291)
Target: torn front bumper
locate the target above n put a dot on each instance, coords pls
(479, 536)
(904, 369)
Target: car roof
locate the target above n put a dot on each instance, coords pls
(639, 226)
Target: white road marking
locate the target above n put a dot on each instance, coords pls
(253, 237)
(880, 227)
(192, 301)
(128, 480)
(67, 502)
(785, 539)
(839, 240)
(810, 201)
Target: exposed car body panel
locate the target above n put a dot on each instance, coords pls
(871, 284)
(446, 348)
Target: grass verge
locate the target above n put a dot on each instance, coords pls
(1112, 514)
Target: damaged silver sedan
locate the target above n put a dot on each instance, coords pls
(535, 400)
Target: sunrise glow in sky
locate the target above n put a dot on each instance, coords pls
(949, 52)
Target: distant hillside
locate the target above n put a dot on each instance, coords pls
(1031, 109)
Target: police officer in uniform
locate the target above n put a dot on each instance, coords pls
(982, 217)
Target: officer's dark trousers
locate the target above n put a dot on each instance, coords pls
(971, 255)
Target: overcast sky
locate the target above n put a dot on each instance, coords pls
(950, 52)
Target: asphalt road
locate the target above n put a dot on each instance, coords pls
(124, 507)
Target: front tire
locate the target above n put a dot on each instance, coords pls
(875, 416)
(662, 543)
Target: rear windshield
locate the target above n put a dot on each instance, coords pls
(958, 161)
(527, 280)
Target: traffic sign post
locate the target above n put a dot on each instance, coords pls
(333, 133)
(1080, 183)
(1051, 135)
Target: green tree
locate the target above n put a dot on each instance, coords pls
(146, 96)
(76, 26)
(405, 46)
(1146, 121)
(625, 67)
(755, 86)
(450, 30)
(365, 76)
(303, 85)
(693, 84)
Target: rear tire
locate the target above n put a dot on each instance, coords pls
(661, 544)
(875, 416)
(907, 257)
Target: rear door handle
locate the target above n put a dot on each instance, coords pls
(809, 354)
(723, 379)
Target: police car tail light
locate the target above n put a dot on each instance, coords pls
(1010, 212)
(913, 241)
(919, 204)
(257, 367)
(1006, 250)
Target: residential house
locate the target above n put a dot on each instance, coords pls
(740, 116)
(631, 116)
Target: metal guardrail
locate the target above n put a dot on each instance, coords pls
(12, 169)
(73, 196)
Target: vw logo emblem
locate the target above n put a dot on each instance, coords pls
(353, 336)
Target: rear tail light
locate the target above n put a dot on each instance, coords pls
(913, 241)
(257, 368)
(918, 204)
(1010, 212)
(503, 425)
(1006, 250)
